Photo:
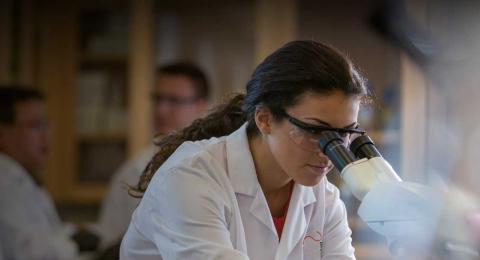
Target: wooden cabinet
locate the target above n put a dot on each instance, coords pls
(101, 103)
(84, 70)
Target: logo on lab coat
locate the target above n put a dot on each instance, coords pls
(312, 245)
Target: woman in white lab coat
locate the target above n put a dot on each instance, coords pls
(256, 189)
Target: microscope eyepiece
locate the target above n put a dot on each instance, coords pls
(363, 147)
(333, 146)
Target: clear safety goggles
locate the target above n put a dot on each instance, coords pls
(307, 135)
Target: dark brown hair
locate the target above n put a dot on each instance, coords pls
(192, 72)
(10, 96)
(277, 83)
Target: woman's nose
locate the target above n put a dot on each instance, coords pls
(321, 154)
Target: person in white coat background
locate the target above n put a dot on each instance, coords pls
(256, 189)
(179, 96)
(30, 227)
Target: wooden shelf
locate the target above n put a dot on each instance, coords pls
(102, 137)
(87, 193)
(104, 59)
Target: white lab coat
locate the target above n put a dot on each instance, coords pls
(29, 225)
(205, 202)
(118, 205)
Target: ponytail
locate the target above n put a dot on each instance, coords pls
(223, 120)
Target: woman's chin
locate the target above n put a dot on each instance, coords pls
(313, 175)
(310, 179)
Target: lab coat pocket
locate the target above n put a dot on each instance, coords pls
(312, 246)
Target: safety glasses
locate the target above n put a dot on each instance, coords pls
(307, 135)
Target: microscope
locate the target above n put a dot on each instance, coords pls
(407, 214)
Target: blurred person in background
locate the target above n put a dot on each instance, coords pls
(30, 227)
(180, 95)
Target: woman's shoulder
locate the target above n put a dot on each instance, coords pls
(200, 156)
(193, 170)
(213, 147)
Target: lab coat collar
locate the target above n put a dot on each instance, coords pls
(297, 220)
(297, 216)
(241, 169)
(240, 165)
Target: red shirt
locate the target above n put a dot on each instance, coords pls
(279, 222)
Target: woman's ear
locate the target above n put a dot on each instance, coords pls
(264, 120)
